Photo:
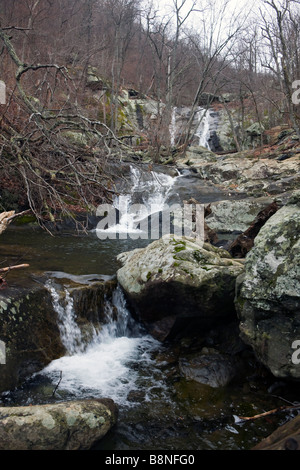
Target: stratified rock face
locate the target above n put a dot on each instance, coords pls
(74, 425)
(268, 293)
(176, 282)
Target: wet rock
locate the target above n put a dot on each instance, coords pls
(76, 425)
(176, 284)
(210, 367)
(29, 330)
(248, 172)
(268, 292)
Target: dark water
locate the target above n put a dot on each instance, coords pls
(159, 409)
(71, 253)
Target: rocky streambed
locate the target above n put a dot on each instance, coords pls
(205, 339)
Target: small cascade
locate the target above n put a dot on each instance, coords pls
(70, 333)
(148, 194)
(108, 365)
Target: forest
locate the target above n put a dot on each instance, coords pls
(65, 62)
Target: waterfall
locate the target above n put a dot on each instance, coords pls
(172, 129)
(202, 126)
(203, 118)
(147, 195)
(69, 331)
(108, 365)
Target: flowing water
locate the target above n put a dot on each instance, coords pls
(159, 409)
(202, 126)
(107, 365)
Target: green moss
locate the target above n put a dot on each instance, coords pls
(149, 274)
(180, 245)
(177, 249)
(26, 219)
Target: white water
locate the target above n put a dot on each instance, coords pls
(69, 331)
(152, 189)
(203, 129)
(203, 124)
(173, 127)
(109, 365)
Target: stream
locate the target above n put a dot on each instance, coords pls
(158, 408)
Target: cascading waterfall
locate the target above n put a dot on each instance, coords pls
(172, 129)
(108, 365)
(148, 194)
(69, 331)
(203, 129)
(118, 359)
(202, 126)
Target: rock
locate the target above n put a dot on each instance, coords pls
(286, 437)
(244, 242)
(268, 292)
(210, 367)
(76, 425)
(247, 172)
(29, 329)
(176, 283)
(231, 216)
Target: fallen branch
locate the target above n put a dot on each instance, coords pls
(19, 214)
(7, 217)
(56, 387)
(10, 268)
(267, 413)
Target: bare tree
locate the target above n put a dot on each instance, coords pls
(279, 28)
(58, 176)
(212, 47)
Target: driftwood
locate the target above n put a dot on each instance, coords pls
(244, 242)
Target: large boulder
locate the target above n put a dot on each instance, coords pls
(76, 425)
(176, 284)
(268, 292)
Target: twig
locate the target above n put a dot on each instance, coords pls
(9, 268)
(57, 384)
(275, 410)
